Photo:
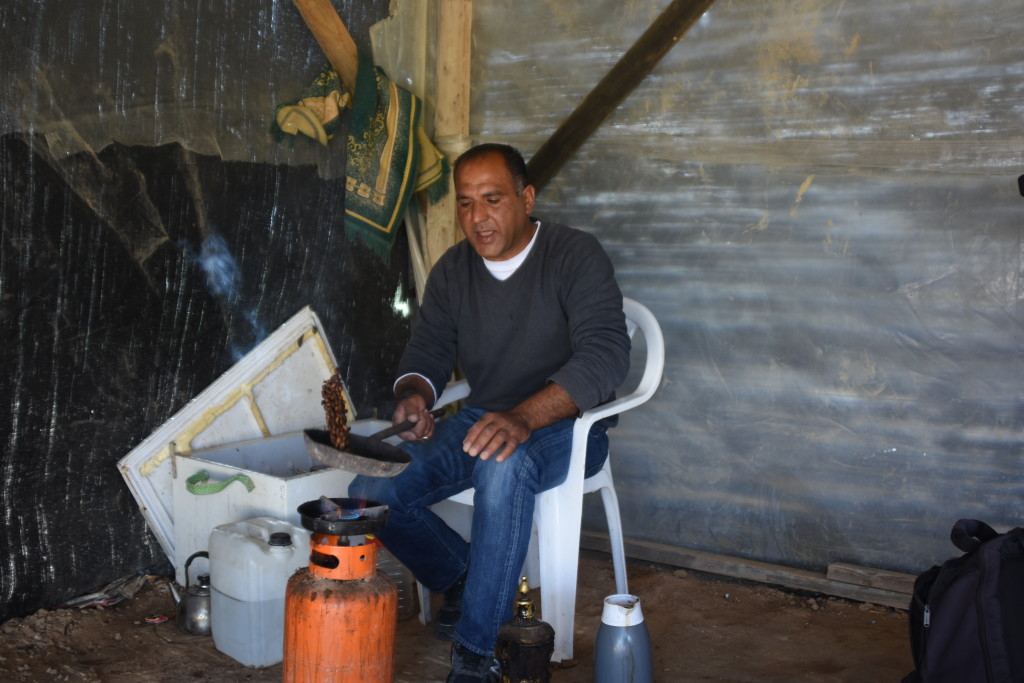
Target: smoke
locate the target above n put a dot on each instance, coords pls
(223, 280)
(219, 267)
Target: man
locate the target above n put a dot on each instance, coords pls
(532, 315)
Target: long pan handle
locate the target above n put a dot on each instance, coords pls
(401, 427)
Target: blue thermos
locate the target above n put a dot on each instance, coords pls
(622, 653)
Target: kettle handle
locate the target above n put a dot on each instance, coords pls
(198, 553)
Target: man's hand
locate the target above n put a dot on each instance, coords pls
(412, 393)
(496, 433)
(501, 433)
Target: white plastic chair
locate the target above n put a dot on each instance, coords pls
(558, 512)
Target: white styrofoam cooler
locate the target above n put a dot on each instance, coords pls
(270, 395)
(283, 475)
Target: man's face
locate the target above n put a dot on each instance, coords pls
(495, 219)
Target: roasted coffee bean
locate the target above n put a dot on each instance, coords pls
(333, 395)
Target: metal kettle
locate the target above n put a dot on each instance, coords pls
(194, 605)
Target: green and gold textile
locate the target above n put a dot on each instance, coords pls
(389, 157)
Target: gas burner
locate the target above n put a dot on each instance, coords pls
(360, 517)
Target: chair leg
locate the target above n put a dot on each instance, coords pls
(531, 565)
(424, 595)
(559, 544)
(558, 599)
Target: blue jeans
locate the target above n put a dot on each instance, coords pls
(502, 515)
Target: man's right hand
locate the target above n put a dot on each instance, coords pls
(412, 406)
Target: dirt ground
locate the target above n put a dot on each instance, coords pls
(703, 628)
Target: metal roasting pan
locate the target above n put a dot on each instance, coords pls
(367, 455)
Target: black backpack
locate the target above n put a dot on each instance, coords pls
(967, 614)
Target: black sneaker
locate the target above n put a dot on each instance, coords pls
(451, 610)
(469, 667)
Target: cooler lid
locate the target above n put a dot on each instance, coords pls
(274, 389)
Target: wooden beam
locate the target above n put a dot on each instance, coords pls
(874, 578)
(451, 118)
(333, 37)
(749, 570)
(605, 98)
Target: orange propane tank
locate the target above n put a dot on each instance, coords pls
(340, 615)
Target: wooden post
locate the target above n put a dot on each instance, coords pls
(451, 117)
(334, 39)
(617, 84)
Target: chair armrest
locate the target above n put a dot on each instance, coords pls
(619, 405)
(454, 391)
(644, 390)
(640, 317)
(459, 389)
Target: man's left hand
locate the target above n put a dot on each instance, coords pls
(496, 433)
(501, 432)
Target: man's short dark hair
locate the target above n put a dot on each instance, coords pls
(513, 161)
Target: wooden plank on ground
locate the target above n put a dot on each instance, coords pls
(874, 578)
(749, 570)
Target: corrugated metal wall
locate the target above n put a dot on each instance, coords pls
(818, 199)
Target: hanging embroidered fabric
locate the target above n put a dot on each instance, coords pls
(390, 157)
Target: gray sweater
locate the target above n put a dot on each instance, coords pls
(558, 318)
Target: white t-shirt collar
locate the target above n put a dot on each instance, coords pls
(503, 270)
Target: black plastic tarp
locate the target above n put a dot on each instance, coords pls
(153, 232)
